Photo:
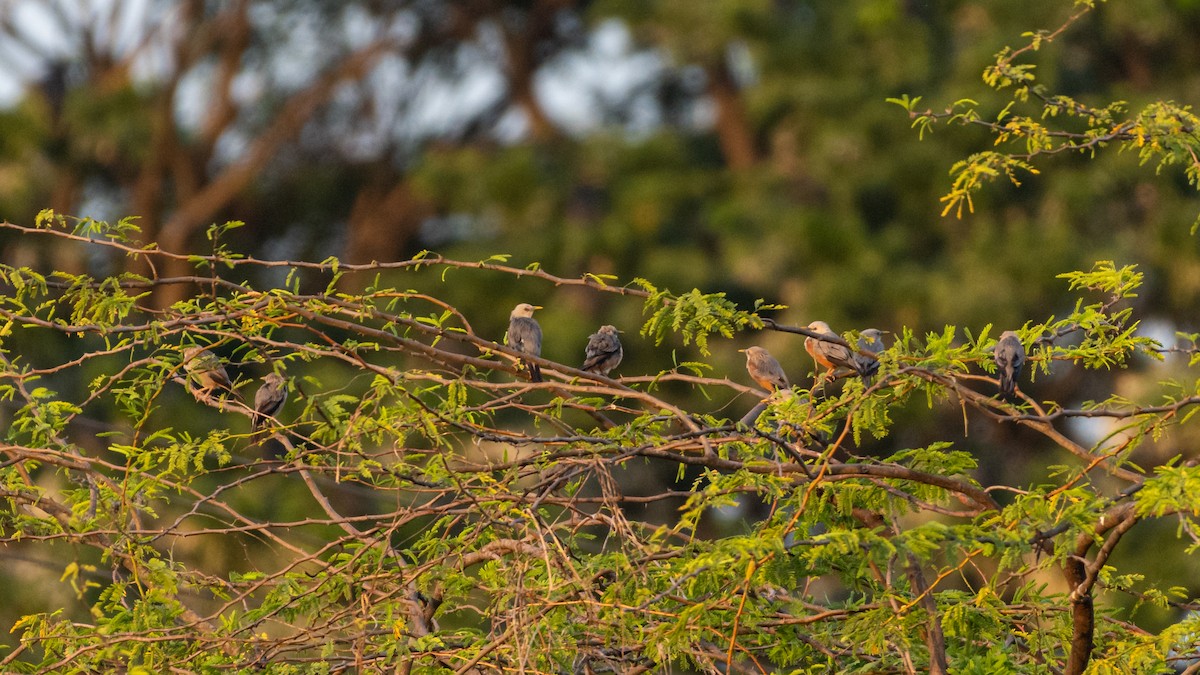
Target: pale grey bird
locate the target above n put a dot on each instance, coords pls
(525, 335)
(206, 373)
(828, 354)
(1009, 354)
(604, 352)
(765, 369)
(870, 341)
(269, 399)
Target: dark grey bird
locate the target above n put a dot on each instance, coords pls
(205, 372)
(870, 341)
(269, 399)
(525, 335)
(831, 355)
(604, 352)
(1009, 354)
(765, 369)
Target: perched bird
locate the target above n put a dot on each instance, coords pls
(603, 352)
(764, 369)
(870, 341)
(206, 373)
(525, 335)
(269, 399)
(828, 354)
(1009, 354)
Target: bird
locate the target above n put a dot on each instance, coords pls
(269, 399)
(765, 369)
(603, 352)
(1009, 354)
(871, 342)
(525, 335)
(831, 355)
(206, 373)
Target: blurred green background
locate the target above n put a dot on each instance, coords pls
(742, 146)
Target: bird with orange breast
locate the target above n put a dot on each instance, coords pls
(830, 355)
(765, 369)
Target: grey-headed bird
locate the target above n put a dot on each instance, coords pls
(525, 335)
(603, 352)
(871, 342)
(1009, 354)
(765, 369)
(206, 373)
(269, 399)
(828, 354)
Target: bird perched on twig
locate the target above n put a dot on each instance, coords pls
(269, 399)
(604, 352)
(765, 369)
(205, 373)
(1009, 355)
(871, 342)
(525, 335)
(831, 355)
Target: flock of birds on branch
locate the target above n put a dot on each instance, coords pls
(603, 353)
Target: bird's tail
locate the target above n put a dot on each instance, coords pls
(535, 373)
(263, 435)
(866, 369)
(1008, 385)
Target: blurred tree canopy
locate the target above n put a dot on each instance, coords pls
(744, 144)
(749, 148)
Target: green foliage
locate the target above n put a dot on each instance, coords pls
(695, 315)
(971, 174)
(417, 505)
(1161, 132)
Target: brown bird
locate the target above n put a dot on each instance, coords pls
(765, 369)
(603, 352)
(205, 372)
(269, 399)
(1009, 354)
(830, 355)
(525, 335)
